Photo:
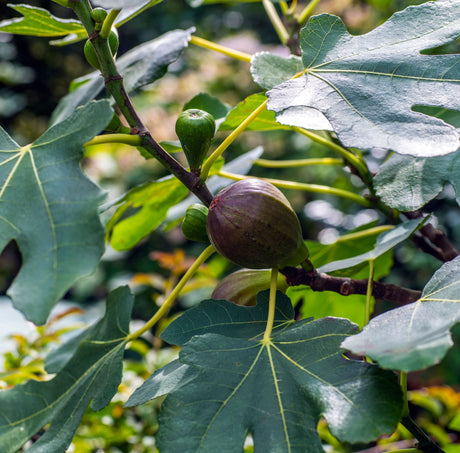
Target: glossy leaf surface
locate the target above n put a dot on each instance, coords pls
(57, 227)
(417, 335)
(276, 391)
(92, 374)
(408, 183)
(367, 85)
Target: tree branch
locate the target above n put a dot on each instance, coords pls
(432, 240)
(347, 286)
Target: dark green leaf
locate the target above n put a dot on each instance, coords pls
(93, 373)
(39, 22)
(229, 319)
(408, 183)
(139, 66)
(57, 227)
(417, 335)
(276, 391)
(367, 85)
(152, 202)
(165, 380)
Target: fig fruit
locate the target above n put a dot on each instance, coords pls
(252, 224)
(90, 52)
(99, 14)
(241, 287)
(194, 223)
(195, 129)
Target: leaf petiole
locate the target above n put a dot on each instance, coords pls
(108, 23)
(133, 140)
(370, 285)
(315, 188)
(221, 49)
(307, 11)
(352, 159)
(271, 306)
(229, 140)
(276, 21)
(297, 162)
(173, 295)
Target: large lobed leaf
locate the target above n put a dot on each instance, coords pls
(417, 335)
(50, 208)
(366, 86)
(92, 373)
(408, 183)
(228, 383)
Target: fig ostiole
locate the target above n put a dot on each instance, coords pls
(195, 129)
(241, 287)
(194, 223)
(252, 224)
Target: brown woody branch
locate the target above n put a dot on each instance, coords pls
(347, 286)
(432, 240)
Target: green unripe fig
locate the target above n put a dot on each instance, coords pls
(241, 287)
(252, 224)
(99, 14)
(194, 224)
(90, 52)
(195, 129)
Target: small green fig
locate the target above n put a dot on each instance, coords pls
(195, 129)
(99, 14)
(90, 52)
(194, 223)
(241, 287)
(252, 224)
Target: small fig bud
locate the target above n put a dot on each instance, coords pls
(99, 14)
(241, 287)
(194, 224)
(253, 224)
(195, 129)
(90, 52)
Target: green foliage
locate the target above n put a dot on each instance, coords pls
(281, 373)
(421, 336)
(57, 229)
(91, 374)
(366, 85)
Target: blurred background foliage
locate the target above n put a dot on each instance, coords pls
(34, 76)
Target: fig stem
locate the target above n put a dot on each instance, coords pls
(278, 25)
(307, 11)
(133, 140)
(297, 162)
(370, 285)
(271, 305)
(200, 42)
(227, 142)
(305, 187)
(108, 22)
(348, 156)
(207, 252)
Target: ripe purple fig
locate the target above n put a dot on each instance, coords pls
(252, 224)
